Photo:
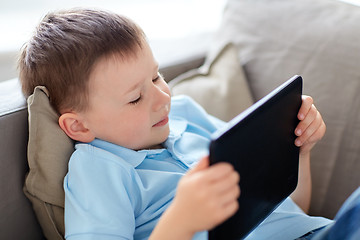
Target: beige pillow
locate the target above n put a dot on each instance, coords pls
(219, 85)
(318, 40)
(49, 150)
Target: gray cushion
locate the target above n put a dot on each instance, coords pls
(17, 219)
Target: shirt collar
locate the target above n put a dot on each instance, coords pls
(130, 156)
(177, 127)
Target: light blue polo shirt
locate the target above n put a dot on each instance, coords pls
(112, 192)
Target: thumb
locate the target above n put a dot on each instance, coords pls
(202, 164)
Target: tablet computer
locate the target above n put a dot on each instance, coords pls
(259, 143)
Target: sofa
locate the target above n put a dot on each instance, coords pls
(258, 45)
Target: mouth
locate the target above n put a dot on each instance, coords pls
(163, 122)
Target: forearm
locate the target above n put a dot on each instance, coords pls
(205, 197)
(170, 227)
(302, 194)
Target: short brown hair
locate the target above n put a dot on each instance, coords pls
(64, 48)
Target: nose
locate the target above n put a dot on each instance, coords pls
(161, 97)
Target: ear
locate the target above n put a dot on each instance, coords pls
(73, 125)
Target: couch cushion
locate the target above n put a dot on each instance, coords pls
(49, 150)
(318, 40)
(219, 85)
(17, 218)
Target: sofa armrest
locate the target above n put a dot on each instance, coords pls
(17, 218)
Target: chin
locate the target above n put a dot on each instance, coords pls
(163, 138)
(154, 145)
(166, 135)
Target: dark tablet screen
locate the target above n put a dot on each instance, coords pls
(259, 143)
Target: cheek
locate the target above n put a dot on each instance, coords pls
(136, 122)
(125, 131)
(134, 132)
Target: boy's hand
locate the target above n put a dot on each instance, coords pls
(310, 130)
(206, 196)
(311, 127)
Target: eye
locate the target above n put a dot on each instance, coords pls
(136, 100)
(158, 76)
(155, 79)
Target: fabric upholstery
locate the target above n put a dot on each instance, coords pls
(49, 150)
(17, 218)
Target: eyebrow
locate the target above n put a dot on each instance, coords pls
(133, 88)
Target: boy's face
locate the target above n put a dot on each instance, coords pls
(129, 101)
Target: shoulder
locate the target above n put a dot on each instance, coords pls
(102, 182)
(182, 104)
(92, 161)
(87, 152)
(185, 107)
(94, 171)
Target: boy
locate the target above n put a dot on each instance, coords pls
(135, 172)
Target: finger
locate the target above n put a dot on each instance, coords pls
(307, 121)
(230, 195)
(226, 183)
(307, 101)
(219, 171)
(304, 137)
(224, 212)
(308, 130)
(318, 134)
(202, 164)
(230, 208)
(307, 146)
(312, 136)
